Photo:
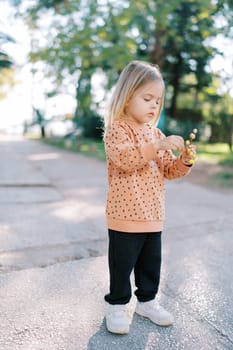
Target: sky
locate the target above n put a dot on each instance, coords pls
(17, 107)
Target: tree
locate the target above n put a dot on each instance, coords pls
(99, 38)
(181, 44)
(85, 41)
(7, 79)
(5, 60)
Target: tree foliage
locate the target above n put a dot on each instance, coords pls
(91, 38)
(5, 60)
(7, 78)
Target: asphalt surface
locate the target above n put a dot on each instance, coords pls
(53, 258)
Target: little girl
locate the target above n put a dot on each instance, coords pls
(139, 158)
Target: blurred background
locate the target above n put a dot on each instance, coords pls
(59, 60)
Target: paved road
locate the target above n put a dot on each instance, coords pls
(53, 260)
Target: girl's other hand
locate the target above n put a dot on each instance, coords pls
(173, 142)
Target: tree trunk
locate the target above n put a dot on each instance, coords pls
(42, 128)
(230, 143)
(83, 96)
(157, 53)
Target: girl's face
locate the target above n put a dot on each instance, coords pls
(145, 102)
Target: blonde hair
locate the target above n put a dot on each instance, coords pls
(133, 76)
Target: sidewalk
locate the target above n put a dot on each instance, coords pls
(59, 305)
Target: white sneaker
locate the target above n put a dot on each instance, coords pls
(117, 320)
(156, 313)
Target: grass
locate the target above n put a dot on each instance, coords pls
(217, 153)
(212, 154)
(87, 147)
(223, 179)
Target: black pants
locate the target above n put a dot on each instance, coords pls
(140, 252)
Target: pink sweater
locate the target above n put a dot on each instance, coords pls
(136, 174)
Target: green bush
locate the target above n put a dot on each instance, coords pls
(92, 126)
(181, 127)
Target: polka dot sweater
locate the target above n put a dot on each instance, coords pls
(136, 174)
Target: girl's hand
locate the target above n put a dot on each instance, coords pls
(173, 142)
(188, 155)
